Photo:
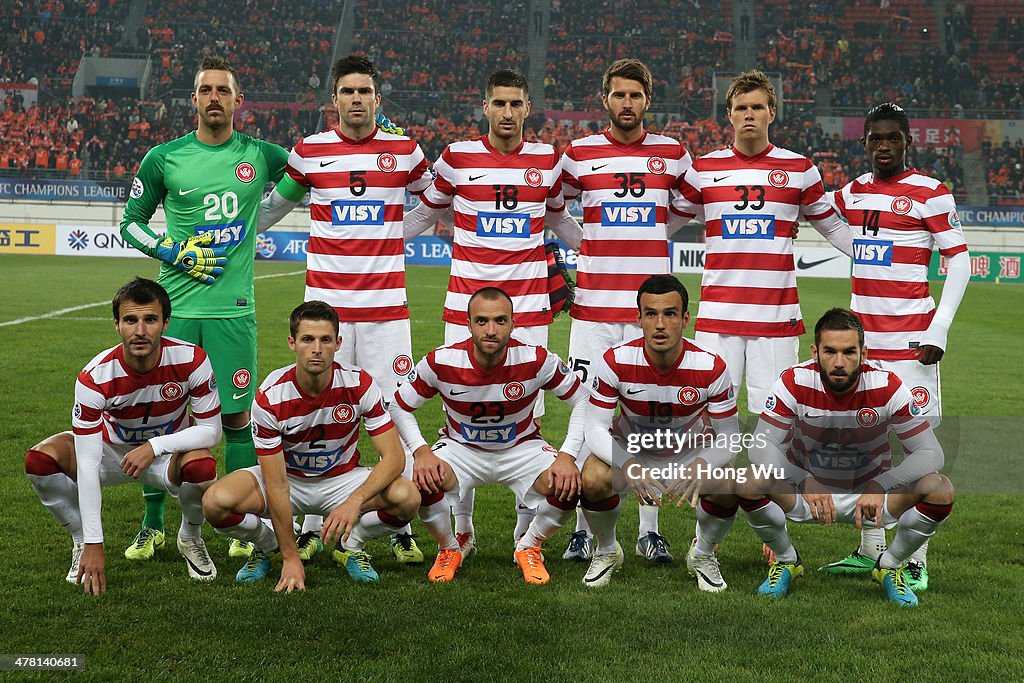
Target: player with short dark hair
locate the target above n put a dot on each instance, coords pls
(357, 175)
(306, 419)
(824, 433)
(625, 178)
(145, 411)
(665, 386)
(898, 216)
(489, 384)
(210, 183)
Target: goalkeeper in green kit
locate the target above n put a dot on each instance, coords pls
(210, 182)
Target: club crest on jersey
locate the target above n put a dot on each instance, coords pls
(778, 178)
(770, 403)
(514, 391)
(656, 165)
(343, 413)
(241, 378)
(921, 397)
(387, 162)
(867, 417)
(533, 177)
(628, 214)
(224, 234)
(137, 188)
(357, 212)
(477, 434)
(902, 205)
(872, 252)
(171, 391)
(688, 396)
(245, 172)
(401, 365)
(490, 224)
(747, 227)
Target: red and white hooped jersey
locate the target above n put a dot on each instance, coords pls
(842, 439)
(356, 255)
(751, 205)
(896, 223)
(129, 408)
(499, 201)
(319, 435)
(491, 410)
(625, 192)
(699, 385)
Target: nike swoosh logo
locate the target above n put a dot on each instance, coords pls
(607, 569)
(458, 393)
(594, 168)
(803, 265)
(185, 192)
(474, 178)
(716, 584)
(326, 163)
(241, 395)
(856, 201)
(634, 392)
(115, 406)
(196, 569)
(718, 180)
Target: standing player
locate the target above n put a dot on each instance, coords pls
(500, 188)
(623, 177)
(664, 385)
(211, 183)
(131, 423)
(489, 384)
(357, 175)
(752, 195)
(826, 425)
(898, 216)
(306, 421)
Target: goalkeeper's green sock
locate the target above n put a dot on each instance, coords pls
(155, 502)
(239, 450)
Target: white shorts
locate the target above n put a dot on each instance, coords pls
(516, 468)
(845, 504)
(155, 475)
(316, 495)
(763, 358)
(383, 349)
(921, 380)
(589, 340)
(536, 335)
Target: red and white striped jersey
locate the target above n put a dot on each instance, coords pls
(356, 255)
(678, 399)
(896, 224)
(129, 408)
(842, 439)
(490, 410)
(318, 435)
(499, 202)
(751, 205)
(625, 192)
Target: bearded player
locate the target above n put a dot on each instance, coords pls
(210, 183)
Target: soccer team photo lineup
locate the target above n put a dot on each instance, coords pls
(650, 411)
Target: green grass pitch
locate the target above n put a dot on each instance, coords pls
(651, 623)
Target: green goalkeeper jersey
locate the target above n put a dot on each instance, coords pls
(204, 188)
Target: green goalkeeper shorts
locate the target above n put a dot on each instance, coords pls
(231, 345)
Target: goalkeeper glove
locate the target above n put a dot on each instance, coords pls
(193, 257)
(384, 123)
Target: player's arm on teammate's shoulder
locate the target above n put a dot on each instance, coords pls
(285, 196)
(821, 214)
(565, 227)
(275, 479)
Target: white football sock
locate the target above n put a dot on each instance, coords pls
(769, 523)
(546, 523)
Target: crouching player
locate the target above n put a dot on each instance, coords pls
(489, 384)
(131, 424)
(667, 387)
(826, 427)
(305, 422)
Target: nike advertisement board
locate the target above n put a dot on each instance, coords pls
(825, 262)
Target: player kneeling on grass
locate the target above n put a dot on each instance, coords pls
(666, 387)
(489, 384)
(305, 423)
(825, 432)
(131, 424)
